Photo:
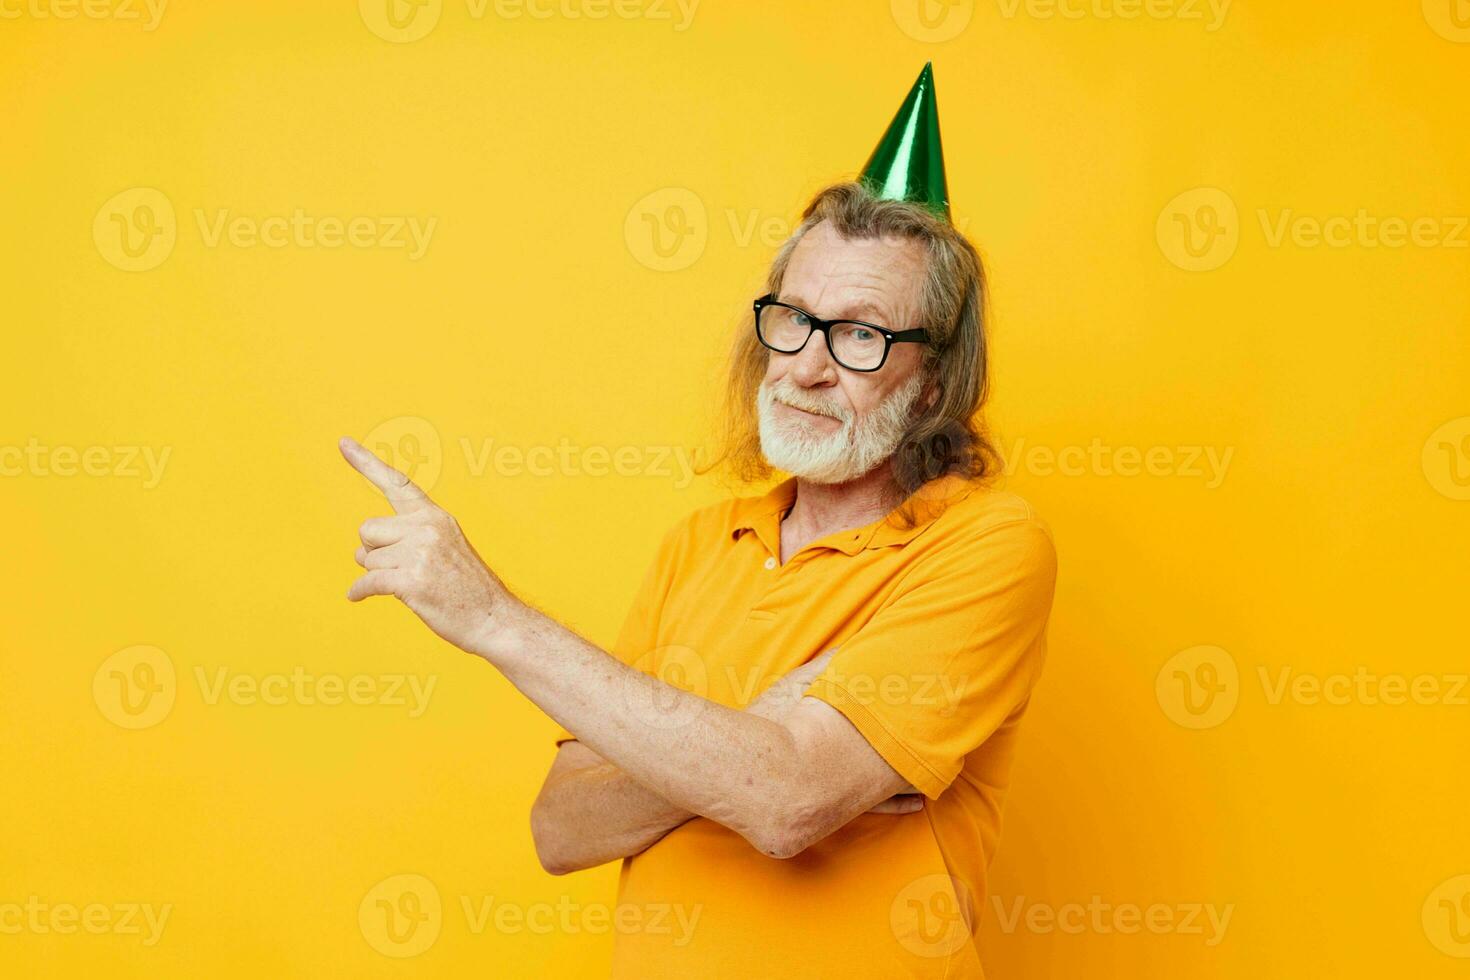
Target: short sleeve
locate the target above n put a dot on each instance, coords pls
(952, 656)
(639, 633)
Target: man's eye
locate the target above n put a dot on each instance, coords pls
(800, 319)
(863, 335)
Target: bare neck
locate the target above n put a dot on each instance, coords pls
(821, 509)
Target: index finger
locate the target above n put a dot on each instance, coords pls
(401, 492)
(815, 665)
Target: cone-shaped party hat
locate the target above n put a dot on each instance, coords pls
(908, 162)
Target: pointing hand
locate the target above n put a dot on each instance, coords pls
(421, 556)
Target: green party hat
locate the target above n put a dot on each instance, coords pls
(908, 162)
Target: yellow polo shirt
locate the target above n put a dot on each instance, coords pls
(940, 632)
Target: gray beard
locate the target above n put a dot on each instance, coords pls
(855, 449)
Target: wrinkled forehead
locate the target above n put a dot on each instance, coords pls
(879, 279)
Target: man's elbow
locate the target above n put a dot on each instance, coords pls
(558, 868)
(782, 846)
(553, 863)
(785, 833)
(549, 845)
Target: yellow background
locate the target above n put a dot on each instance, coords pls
(547, 150)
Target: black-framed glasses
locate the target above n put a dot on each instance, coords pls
(856, 345)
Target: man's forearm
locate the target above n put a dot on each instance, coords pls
(590, 812)
(595, 814)
(780, 784)
(737, 768)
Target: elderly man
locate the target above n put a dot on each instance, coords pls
(800, 741)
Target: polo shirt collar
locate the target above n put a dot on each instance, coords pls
(762, 516)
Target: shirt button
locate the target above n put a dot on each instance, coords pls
(770, 563)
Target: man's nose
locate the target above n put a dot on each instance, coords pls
(813, 365)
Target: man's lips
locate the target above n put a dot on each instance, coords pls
(802, 411)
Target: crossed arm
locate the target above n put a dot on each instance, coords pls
(590, 812)
(783, 774)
